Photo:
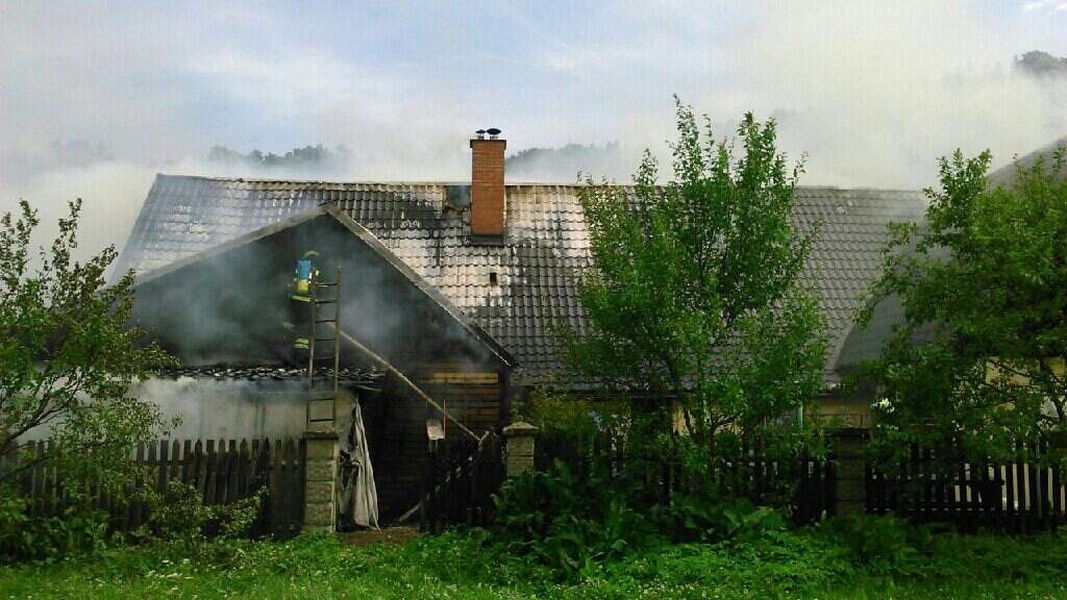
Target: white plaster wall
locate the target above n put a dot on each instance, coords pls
(228, 409)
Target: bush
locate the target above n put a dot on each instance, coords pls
(881, 544)
(180, 515)
(69, 528)
(567, 522)
(691, 517)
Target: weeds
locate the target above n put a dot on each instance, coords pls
(806, 563)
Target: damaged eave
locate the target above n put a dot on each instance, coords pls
(370, 241)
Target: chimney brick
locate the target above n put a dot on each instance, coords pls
(487, 187)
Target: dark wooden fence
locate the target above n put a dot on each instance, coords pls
(1024, 495)
(463, 475)
(749, 471)
(223, 472)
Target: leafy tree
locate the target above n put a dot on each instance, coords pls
(309, 157)
(977, 362)
(1041, 64)
(695, 299)
(67, 358)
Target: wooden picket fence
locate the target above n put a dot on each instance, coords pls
(463, 474)
(223, 471)
(808, 483)
(1023, 495)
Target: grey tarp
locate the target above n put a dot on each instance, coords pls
(359, 496)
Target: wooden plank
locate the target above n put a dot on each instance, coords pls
(464, 378)
(156, 467)
(1057, 493)
(188, 462)
(162, 466)
(133, 509)
(201, 468)
(225, 462)
(175, 461)
(273, 452)
(242, 472)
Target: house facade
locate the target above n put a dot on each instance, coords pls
(460, 286)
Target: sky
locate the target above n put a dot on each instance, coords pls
(95, 98)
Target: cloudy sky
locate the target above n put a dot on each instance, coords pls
(872, 91)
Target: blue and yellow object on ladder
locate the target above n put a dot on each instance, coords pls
(317, 312)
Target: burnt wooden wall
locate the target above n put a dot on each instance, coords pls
(395, 421)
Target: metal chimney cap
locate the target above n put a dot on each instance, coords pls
(493, 132)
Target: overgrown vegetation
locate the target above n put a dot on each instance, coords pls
(977, 366)
(603, 497)
(67, 360)
(809, 563)
(696, 318)
(83, 527)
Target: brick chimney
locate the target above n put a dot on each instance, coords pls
(487, 185)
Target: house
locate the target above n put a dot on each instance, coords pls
(1005, 175)
(460, 285)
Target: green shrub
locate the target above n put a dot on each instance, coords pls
(692, 517)
(73, 526)
(180, 515)
(881, 544)
(567, 522)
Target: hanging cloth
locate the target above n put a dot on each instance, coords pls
(359, 496)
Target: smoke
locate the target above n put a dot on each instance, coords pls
(111, 191)
(226, 408)
(873, 92)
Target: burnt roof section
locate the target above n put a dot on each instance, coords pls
(518, 292)
(236, 287)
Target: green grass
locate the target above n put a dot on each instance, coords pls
(802, 564)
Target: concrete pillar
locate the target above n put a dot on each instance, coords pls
(320, 481)
(520, 447)
(850, 448)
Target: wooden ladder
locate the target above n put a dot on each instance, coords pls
(324, 352)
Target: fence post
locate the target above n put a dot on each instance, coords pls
(849, 447)
(320, 481)
(520, 447)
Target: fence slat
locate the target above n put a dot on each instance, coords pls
(223, 473)
(1019, 495)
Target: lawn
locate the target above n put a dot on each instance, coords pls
(799, 564)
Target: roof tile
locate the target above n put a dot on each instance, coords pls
(547, 244)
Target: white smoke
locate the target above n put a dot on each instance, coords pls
(226, 408)
(876, 91)
(873, 91)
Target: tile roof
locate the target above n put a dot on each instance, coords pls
(1005, 175)
(518, 291)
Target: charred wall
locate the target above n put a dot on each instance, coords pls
(228, 306)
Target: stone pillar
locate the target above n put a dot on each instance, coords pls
(850, 446)
(320, 481)
(520, 447)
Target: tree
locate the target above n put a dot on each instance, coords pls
(977, 362)
(695, 299)
(67, 357)
(1041, 64)
(316, 157)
